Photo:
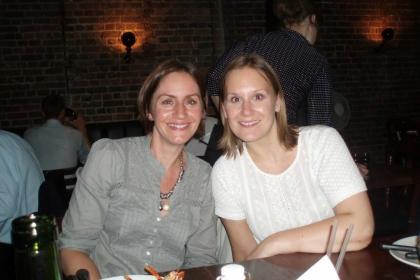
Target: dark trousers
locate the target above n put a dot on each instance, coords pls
(6, 261)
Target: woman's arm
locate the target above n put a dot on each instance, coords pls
(313, 238)
(85, 216)
(240, 237)
(72, 261)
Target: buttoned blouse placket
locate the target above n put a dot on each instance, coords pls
(156, 221)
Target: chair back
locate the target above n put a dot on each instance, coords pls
(403, 146)
(392, 208)
(55, 192)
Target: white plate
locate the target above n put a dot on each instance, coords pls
(134, 277)
(400, 256)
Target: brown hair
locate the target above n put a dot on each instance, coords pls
(293, 11)
(230, 144)
(52, 106)
(152, 82)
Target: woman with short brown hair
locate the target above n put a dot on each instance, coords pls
(145, 200)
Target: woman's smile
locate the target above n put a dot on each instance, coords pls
(249, 123)
(250, 105)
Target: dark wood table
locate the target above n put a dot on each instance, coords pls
(370, 263)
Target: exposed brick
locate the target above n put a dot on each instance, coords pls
(88, 68)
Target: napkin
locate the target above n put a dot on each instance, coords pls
(322, 269)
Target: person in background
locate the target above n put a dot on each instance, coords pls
(302, 70)
(62, 141)
(145, 200)
(279, 188)
(198, 146)
(20, 179)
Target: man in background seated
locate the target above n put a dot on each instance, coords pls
(62, 141)
(20, 178)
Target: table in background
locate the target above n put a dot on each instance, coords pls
(370, 263)
(388, 177)
(382, 176)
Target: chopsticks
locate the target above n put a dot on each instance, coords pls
(331, 238)
(403, 248)
(343, 246)
(412, 252)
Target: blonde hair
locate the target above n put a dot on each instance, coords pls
(229, 143)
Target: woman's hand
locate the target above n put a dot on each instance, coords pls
(364, 171)
(74, 262)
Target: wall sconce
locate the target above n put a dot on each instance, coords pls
(128, 39)
(387, 35)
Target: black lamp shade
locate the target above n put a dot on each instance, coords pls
(128, 39)
(387, 34)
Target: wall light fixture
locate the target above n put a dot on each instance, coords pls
(128, 39)
(387, 35)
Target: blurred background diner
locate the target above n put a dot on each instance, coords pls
(96, 54)
(61, 141)
(20, 177)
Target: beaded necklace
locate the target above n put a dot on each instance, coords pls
(164, 204)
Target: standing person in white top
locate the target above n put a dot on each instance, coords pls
(61, 141)
(279, 188)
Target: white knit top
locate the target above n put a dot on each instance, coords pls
(322, 175)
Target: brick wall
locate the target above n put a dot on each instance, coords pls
(378, 84)
(74, 48)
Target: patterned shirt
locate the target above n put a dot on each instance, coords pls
(302, 70)
(114, 212)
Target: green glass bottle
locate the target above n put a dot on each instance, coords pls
(34, 241)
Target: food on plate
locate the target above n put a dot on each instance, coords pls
(173, 275)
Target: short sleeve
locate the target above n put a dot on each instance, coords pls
(84, 219)
(225, 182)
(335, 169)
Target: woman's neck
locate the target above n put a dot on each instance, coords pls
(167, 154)
(271, 157)
(305, 29)
(266, 149)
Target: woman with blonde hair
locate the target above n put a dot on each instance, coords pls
(279, 188)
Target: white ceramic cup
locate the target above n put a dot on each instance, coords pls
(232, 272)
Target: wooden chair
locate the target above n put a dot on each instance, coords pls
(55, 192)
(403, 145)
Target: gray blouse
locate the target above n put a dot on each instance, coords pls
(114, 212)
